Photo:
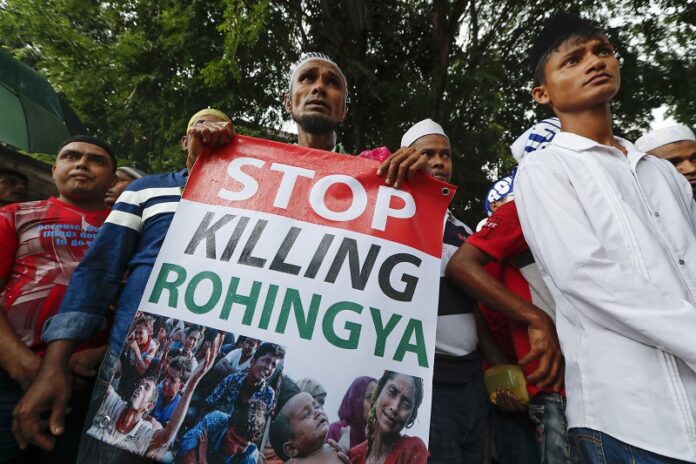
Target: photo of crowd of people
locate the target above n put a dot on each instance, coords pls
(188, 393)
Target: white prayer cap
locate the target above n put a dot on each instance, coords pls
(421, 129)
(535, 138)
(659, 137)
(132, 172)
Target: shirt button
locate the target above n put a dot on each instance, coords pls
(657, 214)
(682, 262)
(104, 422)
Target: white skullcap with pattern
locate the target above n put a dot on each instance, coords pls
(659, 137)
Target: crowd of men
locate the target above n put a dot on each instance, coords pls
(584, 274)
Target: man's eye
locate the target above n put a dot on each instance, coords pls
(570, 61)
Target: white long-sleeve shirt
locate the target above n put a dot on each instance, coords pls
(615, 239)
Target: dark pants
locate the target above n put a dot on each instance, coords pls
(592, 447)
(65, 449)
(458, 423)
(514, 437)
(10, 393)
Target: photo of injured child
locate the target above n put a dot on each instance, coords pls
(299, 432)
(380, 410)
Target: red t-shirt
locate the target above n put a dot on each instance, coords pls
(501, 237)
(498, 322)
(42, 244)
(407, 450)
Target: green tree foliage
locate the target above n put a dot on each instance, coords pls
(135, 70)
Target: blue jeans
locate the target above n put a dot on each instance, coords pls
(593, 447)
(547, 411)
(458, 423)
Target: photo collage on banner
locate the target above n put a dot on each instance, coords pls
(292, 283)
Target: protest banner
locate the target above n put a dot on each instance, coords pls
(304, 249)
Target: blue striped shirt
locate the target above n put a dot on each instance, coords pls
(129, 241)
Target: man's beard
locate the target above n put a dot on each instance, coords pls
(316, 124)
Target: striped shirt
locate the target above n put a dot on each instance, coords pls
(457, 360)
(129, 241)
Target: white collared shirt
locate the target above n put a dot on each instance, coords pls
(615, 239)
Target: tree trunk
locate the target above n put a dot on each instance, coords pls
(445, 21)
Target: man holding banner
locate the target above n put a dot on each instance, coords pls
(311, 251)
(459, 408)
(315, 104)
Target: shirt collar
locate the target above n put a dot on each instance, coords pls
(577, 142)
(634, 155)
(574, 142)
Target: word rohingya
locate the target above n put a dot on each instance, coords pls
(175, 280)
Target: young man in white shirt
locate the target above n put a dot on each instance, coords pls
(614, 233)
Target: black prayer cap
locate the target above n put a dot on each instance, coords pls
(94, 141)
(557, 29)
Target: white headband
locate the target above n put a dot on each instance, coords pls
(421, 129)
(314, 56)
(659, 137)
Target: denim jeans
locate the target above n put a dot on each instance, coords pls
(593, 447)
(458, 423)
(547, 410)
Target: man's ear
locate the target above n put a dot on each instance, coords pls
(287, 103)
(540, 95)
(184, 143)
(345, 111)
(290, 449)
